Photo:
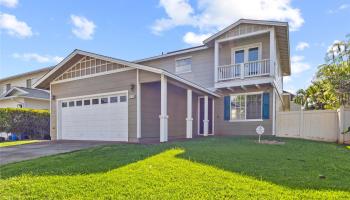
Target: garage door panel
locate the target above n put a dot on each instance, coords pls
(107, 121)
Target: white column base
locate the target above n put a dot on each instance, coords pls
(163, 128)
(189, 127)
(205, 127)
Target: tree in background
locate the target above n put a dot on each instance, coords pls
(331, 86)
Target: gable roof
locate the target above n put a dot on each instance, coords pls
(77, 54)
(26, 93)
(244, 21)
(45, 69)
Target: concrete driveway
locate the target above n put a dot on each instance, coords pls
(35, 150)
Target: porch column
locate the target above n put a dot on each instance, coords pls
(272, 52)
(206, 120)
(163, 117)
(189, 119)
(216, 60)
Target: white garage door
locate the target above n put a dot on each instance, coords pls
(100, 117)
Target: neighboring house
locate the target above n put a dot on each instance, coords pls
(228, 86)
(17, 91)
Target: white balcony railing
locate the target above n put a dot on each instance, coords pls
(244, 70)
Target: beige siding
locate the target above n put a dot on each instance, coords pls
(222, 127)
(21, 81)
(100, 84)
(202, 66)
(225, 53)
(244, 29)
(37, 104)
(9, 103)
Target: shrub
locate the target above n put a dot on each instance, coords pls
(27, 122)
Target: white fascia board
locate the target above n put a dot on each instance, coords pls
(242, 21)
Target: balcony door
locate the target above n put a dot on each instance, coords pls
(249, 55)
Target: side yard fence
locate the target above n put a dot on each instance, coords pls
(321, 125)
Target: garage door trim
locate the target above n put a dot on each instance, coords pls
(58, 107)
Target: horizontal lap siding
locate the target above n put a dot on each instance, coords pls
(96, 85)
(223, 127)
(177, 111)
(202, 66)
(150, 110)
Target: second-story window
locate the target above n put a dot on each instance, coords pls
(29, 83)
(183, 65)
(8, 87)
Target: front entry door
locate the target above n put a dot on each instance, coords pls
(201, 116)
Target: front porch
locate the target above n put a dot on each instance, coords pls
(171, 110)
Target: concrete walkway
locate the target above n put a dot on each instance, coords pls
(35, 150)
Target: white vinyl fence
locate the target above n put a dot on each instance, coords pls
(321, 125)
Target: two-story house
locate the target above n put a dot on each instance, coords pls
(17, 91)
(228, 86)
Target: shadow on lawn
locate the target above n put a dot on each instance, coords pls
(297, 164)
(93, 160)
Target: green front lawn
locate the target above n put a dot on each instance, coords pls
(18, 142)
(206, 168)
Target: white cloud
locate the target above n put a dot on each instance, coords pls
(195, 39)
(340, 8)
(9, 3)
(336, 48)
(286, 79)
(301, 46)
(83, 28)
(14, 27)
(212, 15)
(299, 65)
(38, 58)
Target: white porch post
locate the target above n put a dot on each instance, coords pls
(206, 120)
(163, 117)
(189, 119)
(216, 60)
(138, 104)
(272, 52)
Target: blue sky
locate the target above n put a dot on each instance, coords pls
(36, 34)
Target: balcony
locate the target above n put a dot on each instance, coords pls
(244, 70)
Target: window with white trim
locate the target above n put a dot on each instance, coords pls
(246, 107)
(183, 65)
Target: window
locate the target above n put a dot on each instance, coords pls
(104, 100)
(19, 106)
(246, 107)
(114, 99)
(95, 101)
(8, 87)
(122, 98)
(64, 104)
(79, 103)
(29, 83)
(86, 102)
(183, 65)
(239, 56)
(71, 104)
(253, 54)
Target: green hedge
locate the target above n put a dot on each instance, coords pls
(33, 123)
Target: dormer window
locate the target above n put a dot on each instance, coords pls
(29, 83)
(183, 65)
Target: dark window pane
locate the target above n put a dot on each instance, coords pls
(95, 101)
(86, 102)
(253, 54)
(104, 100)
(64, 104)
(122, 98)
(254, 106)
(71, 104)
(114, 99)
(79, 103)
(239, 56)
